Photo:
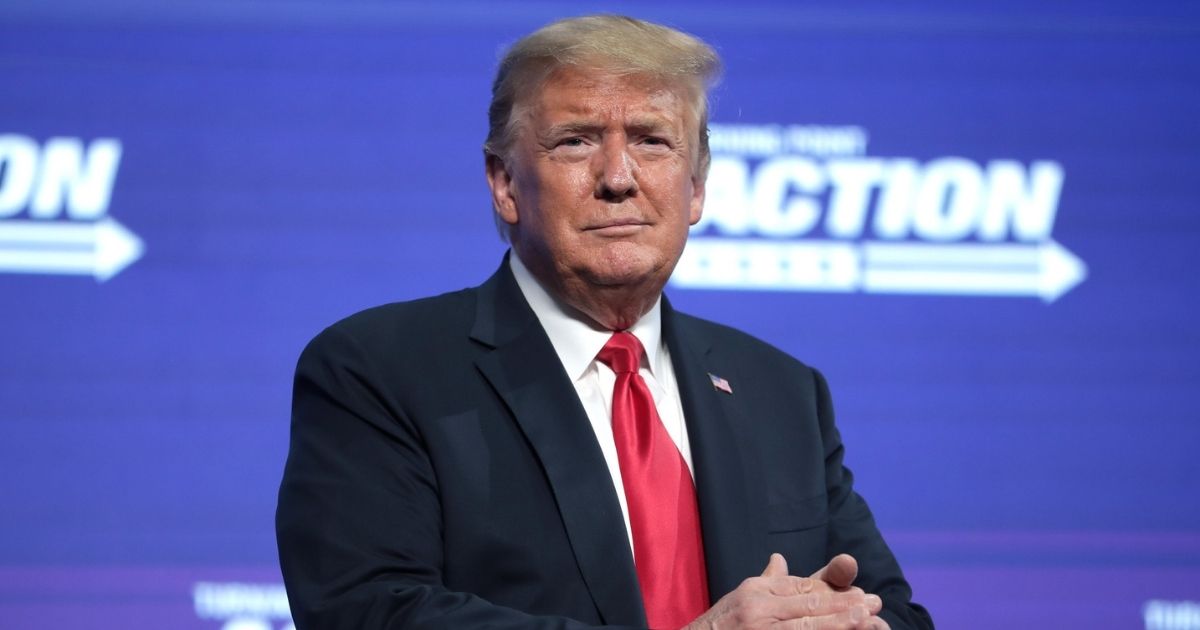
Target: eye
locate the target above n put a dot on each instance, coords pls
(574, 147)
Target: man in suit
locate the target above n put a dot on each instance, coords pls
(558, 447)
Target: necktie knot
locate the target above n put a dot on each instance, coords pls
(622, 354)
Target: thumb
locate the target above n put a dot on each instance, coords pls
(840, 572)
(776, 567)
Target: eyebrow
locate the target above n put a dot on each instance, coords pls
(650, 124)
(572, 128)
(641, 124)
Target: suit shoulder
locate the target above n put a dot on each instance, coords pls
(430, 320)
(732, 341)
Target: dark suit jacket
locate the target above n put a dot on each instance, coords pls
(443, 474)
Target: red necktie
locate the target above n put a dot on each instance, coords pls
(667, 548)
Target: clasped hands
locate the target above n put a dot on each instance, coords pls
(778, 601)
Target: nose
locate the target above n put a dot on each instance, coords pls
(617, 178)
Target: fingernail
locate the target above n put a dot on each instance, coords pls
(873, 602)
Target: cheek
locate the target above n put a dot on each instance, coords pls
(562, 191)
(552, 171)
(573, 181)
(677, 190)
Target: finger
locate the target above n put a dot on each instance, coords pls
(874, 604)
(855, 618)
(879, 624)
(815, 604)
(776, 566)
(840, 572)
(791, 585)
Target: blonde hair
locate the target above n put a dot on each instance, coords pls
(612, 43)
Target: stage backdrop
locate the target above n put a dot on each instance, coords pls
(978, 219)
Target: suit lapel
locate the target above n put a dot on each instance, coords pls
(728, 479)
(527, 374)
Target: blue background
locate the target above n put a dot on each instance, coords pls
(289, 163)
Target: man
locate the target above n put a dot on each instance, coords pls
(559, 448)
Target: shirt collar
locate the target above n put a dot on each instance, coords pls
(575, 337)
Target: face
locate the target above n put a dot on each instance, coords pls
(600, 184)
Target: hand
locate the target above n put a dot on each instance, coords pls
(778, 601)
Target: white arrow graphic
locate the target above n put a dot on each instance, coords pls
(100, 249)
(1045, 270)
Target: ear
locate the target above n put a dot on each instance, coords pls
(500, 180)
(696, 206)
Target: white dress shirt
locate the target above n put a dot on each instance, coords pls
(577, 340)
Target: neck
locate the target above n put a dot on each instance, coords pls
(609, 306)
(613, 308)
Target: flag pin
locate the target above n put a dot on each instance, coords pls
(720, 383)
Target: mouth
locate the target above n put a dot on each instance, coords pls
(617, 227)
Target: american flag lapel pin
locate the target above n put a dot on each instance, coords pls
(720, 383)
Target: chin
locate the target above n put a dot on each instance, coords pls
(617, 277)
(626, 266)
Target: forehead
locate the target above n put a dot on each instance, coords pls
(571, 92)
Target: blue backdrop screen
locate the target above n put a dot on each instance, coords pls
(978, 219)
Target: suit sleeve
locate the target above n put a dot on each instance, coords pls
(852, 530)
(358, 521)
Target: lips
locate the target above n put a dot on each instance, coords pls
(617, 227)
(617, 223)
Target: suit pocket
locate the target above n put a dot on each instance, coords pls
(791, 516)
